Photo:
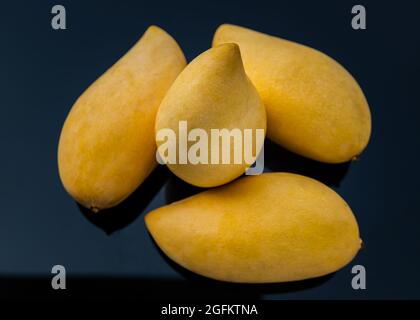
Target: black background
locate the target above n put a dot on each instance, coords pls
(43, 71)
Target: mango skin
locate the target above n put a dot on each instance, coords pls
(274, 227)
(315, 108)
(212, 92)
(107, 146)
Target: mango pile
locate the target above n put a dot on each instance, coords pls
(273, 227)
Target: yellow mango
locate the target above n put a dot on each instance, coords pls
(315, 108)
(107, 146)
(212, 92)
(274, 227)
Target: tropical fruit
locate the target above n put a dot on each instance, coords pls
(273, 227)
(107, 145)
(314, 106)
(212, 93)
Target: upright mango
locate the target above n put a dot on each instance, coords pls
(273, 227)
(314, 106)
(107, 146)
(212, 93)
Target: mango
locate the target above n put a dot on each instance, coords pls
(315, 108)
(274, 227)
(212, 92)
(107, 146)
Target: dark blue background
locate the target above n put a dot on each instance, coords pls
(43, 71)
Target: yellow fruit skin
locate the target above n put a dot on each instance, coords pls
(314, 106)
(107, 146)
(212, 92)
(274, 227)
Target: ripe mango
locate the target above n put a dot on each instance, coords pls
(315, 108)
(212, 92)
(273, 227)
(107, 146)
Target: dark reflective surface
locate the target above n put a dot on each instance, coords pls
(176, 190)
(126, 212)
(278, 159)
(147, 288)
(43, 71)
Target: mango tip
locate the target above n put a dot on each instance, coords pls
(94, 209)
